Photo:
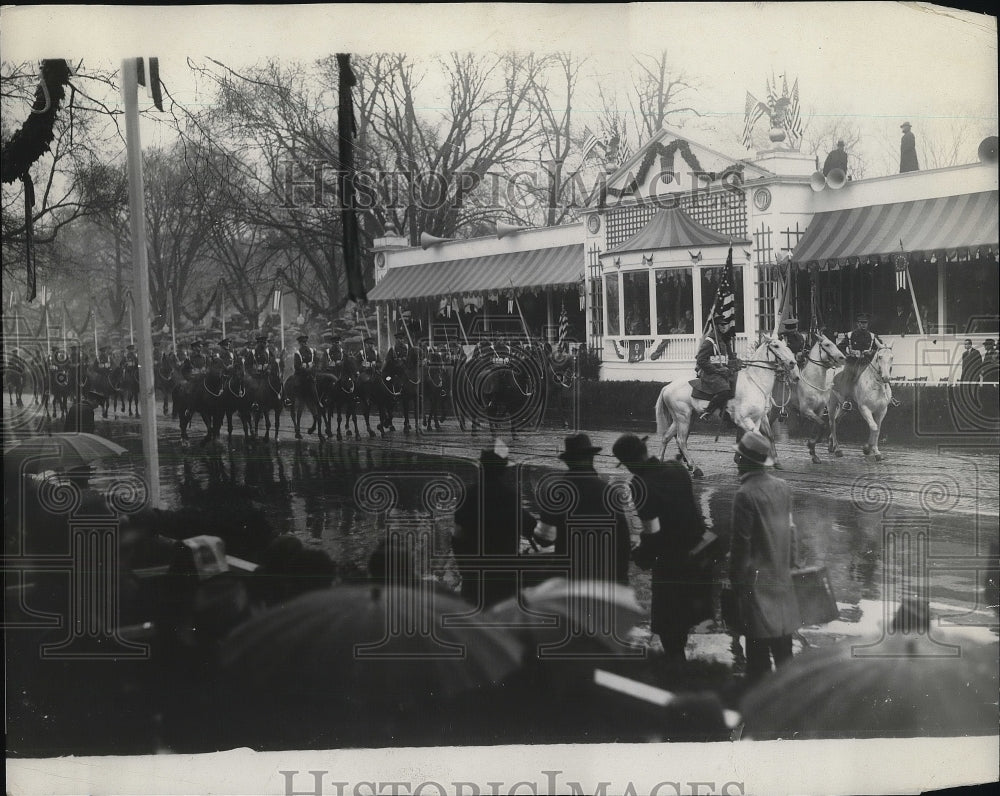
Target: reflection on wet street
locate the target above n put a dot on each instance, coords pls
(844, 511)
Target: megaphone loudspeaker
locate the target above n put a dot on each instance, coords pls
(988, 150)
(426, 241)
(817, 181)
(836, 179)
(503, 230)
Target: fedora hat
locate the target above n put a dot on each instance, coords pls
(630, 448)
(755, 448)
(905, 126)
(578, 447)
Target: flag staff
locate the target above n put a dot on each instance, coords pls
(93, 312)
(222, 292)
(140, 271)
(173, 320)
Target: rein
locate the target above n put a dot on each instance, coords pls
(243, 388)
(222, 387)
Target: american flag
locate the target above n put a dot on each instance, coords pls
(589, 142)
(754, 110)
(793, 117)
(725, 298)
(563, 323)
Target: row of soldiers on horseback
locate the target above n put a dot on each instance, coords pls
(717, 363)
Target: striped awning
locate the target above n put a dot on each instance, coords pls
(559, 265)
(945, 224)
(672, 228)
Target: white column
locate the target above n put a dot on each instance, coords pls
(942, 292)
(699, 321)
(140, 275)
(652, 301)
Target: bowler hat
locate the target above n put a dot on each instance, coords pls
(577, 447)
(629, 448)
(755, 448)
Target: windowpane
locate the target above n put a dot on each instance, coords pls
(611, 301)
(674, 301)
(636, 294)
(710, 276)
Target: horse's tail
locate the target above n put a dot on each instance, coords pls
(663, 416)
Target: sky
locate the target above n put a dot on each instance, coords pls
(877, 63)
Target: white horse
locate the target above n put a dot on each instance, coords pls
(872, 395)
(812, 394)
(675, 405)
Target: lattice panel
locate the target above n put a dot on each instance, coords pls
(723, 212)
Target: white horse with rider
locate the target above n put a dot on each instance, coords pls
(871, 393)
(811, 395)
(752, 398)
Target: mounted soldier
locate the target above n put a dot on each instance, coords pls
(262, 356)
(401, 352)
(861, 346)
(305, 361)
(131, 359)
(196, 363)
(105, 362)
(716, 364)
(368, 359)
(333, 355)
(793, 339)
(225, 356)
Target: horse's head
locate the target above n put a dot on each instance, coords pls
(882, 362)
(782, 356)
(827, 351)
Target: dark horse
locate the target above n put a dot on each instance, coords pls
(509, 386)
(236, 398)
(163, 379)
(436, 389)
(266, 396)
(14, 375)
(203, 393)
(338, 392)
(125, 383)
(375, 389)
(301, 392)
(405, 376)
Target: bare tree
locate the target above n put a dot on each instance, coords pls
(658, 94)
(820, 136)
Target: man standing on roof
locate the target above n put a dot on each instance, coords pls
(907, 150)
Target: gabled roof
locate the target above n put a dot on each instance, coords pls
(672, 228)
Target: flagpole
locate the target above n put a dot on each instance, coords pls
(913, 296)
(93, 311)
(462, 327)
(517, 304)
(173, 320)
(65, 341)
(222, 289)
(281, 323)
(140, 266)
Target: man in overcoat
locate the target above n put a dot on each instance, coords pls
(581, 504)
(991, 364)
(672, 527)
(490, 521)
(762, 554)
(907, 150)
(972, 362)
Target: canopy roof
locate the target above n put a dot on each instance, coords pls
(941, 224)
(672, 228)
(558, 265)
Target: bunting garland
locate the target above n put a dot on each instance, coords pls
(666, 156)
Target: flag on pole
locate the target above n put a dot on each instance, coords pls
(590, 140)
(563, 323)
(754, 110)
(725, 298)
(793, 117)
(276, 300)
(624, 152)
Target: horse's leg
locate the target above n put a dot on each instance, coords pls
(834, 410)
(809, 413)
(873, 430)
(683, 423)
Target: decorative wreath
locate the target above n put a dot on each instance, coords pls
(666, 155)
(34, 138)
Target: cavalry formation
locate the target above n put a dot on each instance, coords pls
(503, 386)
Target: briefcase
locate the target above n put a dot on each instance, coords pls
(817, 604)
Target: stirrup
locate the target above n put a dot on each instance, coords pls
(847, 406)
(895, 401)
(705, 416)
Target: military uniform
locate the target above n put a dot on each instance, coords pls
(861, 345)
(225, 356)
(368, 359)
(262, 357)
(196, 363)
(793, 339)
(304, 362)
(716, 366)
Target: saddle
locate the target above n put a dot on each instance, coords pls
(698, 393)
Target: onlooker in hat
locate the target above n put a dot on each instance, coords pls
(672, 527)
(762, 554)
(581, 503)
(490, 521)
(907, 150)
(972, 363)
(80, 417)
(991, 365)
(837, 159)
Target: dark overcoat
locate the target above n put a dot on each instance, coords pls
(762, 553)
